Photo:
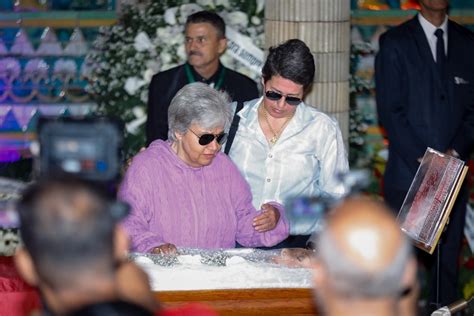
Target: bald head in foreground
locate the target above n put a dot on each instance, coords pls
(364, 264)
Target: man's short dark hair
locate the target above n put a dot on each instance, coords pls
(66, 225)
(208, 17)
(291, 60)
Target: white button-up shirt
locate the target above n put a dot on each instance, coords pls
(304, 161)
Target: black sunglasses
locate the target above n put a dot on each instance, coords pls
(206, 139)
(275, 96)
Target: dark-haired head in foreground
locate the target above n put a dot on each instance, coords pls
(74, 251)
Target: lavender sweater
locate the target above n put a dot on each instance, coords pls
(206, 207)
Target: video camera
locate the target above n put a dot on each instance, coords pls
(89, 148)
(306, 213)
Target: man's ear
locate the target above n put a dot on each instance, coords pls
(178, 135)
(25, 267)
(222, 45)
(121, 243)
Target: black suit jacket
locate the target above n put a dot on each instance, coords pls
(417, 106)
(164, 86)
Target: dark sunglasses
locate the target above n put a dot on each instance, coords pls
(206, 139)
(275, 96)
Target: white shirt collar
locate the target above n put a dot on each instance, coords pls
(429, 28)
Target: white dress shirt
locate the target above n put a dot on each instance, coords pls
(303, 162)
(430, 29)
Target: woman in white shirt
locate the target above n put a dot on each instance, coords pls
(284, 147)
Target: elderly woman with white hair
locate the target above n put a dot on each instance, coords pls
(185, 192)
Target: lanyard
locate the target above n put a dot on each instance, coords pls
(191, 78)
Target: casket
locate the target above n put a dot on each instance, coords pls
(277, 301)
(242, 281)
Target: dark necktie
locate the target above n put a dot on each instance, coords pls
(440, 55)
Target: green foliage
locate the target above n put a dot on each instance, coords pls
(359, 157)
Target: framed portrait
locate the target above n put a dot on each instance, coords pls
(428, 203)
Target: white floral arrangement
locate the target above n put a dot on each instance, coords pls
(147, 39)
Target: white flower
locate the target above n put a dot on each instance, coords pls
(153, 65)
(177, 37)
(144, 96)
(148, 74)
(204, 3)
(142, 42)
(260, 5)
(181, 52)
(170, 16)
(238, 18)
(256, 20)
(249, 73)
(138, 111)
(188, 9)
(165, 57)
(224, 3)
(133, 84)
(168, 66)
(226, 59)
(132, 127)
(164, 34)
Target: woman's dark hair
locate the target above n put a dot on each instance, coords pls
(291, 60)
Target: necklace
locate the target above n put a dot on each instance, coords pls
(276, 135)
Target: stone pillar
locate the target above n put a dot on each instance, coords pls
(324, 25)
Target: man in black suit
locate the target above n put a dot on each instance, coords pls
(205, 42)
(424, 75)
